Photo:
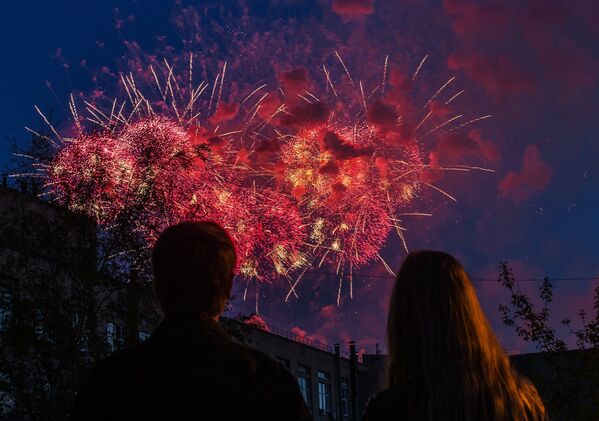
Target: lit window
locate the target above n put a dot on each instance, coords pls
(304, 381)
(324, 392)
(143, 336)
(114, 336)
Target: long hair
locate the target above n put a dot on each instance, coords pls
(441, 342)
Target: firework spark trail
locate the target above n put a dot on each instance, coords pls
(474, 120)
(451, 79)
(43, 137)
(328, 77)
(384, 76)
(419, 67)
(50, 126)
(345, 68)
(445, 123)
(423, 120)
(443, 192)
(454, 97)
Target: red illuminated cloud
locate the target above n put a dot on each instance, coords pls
(534, 176)
(269, 106)
(571, 65)
(224, 112)
(382, 115)
(511, 47)
(453, 147)
(500, 75)
(471, 18)
(295, 81)
(265, 151)
(340, 149)
(439, 108)
(330, 168)
(350, 9)
(269, 146)
(401, 85)
(257, 322)
(306, 114)
(299, 332)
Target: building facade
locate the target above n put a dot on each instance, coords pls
(324, 374)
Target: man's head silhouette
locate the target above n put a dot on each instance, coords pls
(193, 265)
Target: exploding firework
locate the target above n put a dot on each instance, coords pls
(169, 168)
(136, 169)
(330, 171)
(350, 187)
(91, 174)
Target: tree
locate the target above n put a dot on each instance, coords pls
(52, 302)
(568, 380)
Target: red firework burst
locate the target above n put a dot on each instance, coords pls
(92, 174)
(339, 178)
(265, 226)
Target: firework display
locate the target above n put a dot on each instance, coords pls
(299, 179)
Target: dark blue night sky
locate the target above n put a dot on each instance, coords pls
(533, 65)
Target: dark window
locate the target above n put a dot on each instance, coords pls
(304, 370)
(345, 397)
(39, 325)
(5, 306)
(324, 392)
(285, 362)
(304, 381)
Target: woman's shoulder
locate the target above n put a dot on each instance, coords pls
(393, 403)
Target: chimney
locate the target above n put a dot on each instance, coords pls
(378, 349)
(34, 188)
(5, 181)
(353, 380)
(23, 184)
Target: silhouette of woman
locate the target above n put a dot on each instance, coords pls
(444, 361)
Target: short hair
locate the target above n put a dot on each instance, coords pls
(193, 265)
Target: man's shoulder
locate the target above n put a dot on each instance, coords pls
(277, 390)
(259, 360)
(119, 362)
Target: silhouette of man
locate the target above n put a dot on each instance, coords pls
(189, 368)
